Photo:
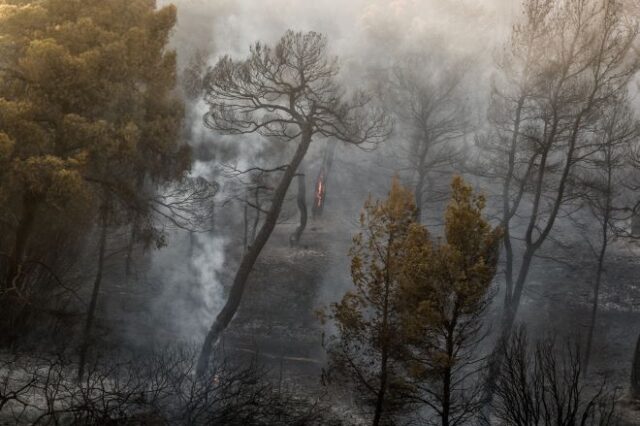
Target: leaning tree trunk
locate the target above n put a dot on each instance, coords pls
(256, 219)
(245, 239)
(294, 239)
(86, 335)
(251, 255)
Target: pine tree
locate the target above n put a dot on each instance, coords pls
(446, 291)
(407, 334)
(369, 342)
(88, 117)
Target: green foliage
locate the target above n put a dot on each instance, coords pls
(449, 280)
(89, 123)
(369, 340)
(405, 329)
(86, 105)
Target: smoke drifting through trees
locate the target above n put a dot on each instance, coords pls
(286, 92)
(159, 197)
(368, 37)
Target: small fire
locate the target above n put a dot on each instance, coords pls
(320, 193)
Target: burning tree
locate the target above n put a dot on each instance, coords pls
(320, 192)
(288, 92)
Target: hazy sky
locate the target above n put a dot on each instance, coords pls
(355, 27)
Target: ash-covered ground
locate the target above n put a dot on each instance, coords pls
(174, 302)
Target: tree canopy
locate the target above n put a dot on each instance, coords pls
(86, 103)
(407, 333)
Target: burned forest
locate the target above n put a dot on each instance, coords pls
(361, 212)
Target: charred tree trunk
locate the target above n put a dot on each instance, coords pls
(294, 239)
(245, 240)
(23, 232)
(250, 257)
(256, 220)
(596, 288)
(447, 377)
(320, 193)
(594, 309)
(379, 409)
(385, 339)
(86, 335)
(510, 310)
(384, 363)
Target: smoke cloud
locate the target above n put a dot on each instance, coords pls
(367, 35)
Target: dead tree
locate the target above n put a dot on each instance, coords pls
(545, 385)
(287, 92)
(432, 107)
(301, 201)
(601, 184)
(564, 63)
(158, 388)
(320, 189)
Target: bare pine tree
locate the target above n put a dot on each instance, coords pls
(430, 103)
(565, 62)
(287, 92)
(601, 184)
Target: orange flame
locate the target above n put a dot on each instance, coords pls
(320, 190)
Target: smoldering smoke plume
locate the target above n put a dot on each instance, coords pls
(190, 289)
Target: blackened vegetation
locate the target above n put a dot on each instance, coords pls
(301, 201)
(41, 305)
(544, 384)
(157, 389)
(95, 174)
